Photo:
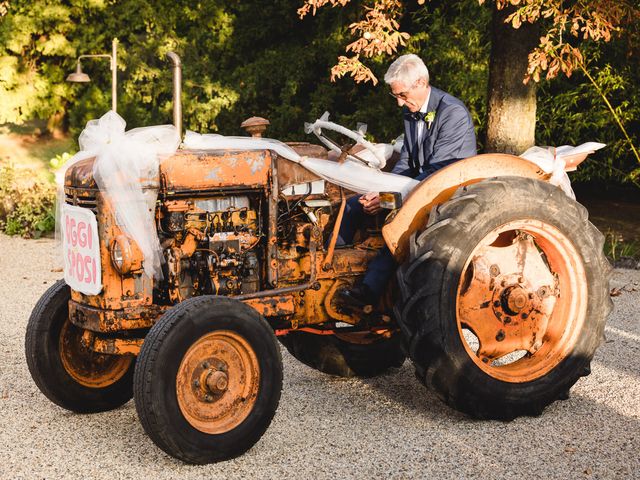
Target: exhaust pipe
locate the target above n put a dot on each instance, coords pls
(177, 91)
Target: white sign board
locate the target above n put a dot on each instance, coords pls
(81, 250)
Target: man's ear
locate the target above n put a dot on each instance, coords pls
(422, 83)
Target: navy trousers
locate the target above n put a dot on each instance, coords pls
(383, 265)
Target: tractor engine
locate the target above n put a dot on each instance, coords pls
(211, 245)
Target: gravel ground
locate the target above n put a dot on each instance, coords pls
(388, 427)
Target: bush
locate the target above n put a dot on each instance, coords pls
(27, 203)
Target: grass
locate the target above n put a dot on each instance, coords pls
(26, 148)
(616, 248)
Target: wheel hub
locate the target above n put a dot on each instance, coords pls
(509, 294)
(218, 381)
(514, 299)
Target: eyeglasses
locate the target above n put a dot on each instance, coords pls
(403, 95)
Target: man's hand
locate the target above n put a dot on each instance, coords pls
(370, 203)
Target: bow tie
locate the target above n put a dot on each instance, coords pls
(415, 116)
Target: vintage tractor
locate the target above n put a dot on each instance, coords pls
(500, 297)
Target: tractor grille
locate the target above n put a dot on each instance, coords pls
(81, 198)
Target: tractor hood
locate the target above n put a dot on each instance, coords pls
(195, 170)
(80, 174)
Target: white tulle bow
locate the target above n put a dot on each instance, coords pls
(126, 171)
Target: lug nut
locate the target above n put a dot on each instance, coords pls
(205, 365)
(494, 270)
(196, 383)
(542, 292)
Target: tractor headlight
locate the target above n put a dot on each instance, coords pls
(125, 255)
(390, 200)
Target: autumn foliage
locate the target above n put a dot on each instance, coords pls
(567, 24)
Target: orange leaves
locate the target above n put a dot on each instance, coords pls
(570, 21)
(376, 34)
(355, 68)
(552, 58)
(595, 20)
(313, 5)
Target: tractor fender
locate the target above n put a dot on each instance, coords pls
(440, 186)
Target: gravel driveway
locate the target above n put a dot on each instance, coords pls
(387, 427)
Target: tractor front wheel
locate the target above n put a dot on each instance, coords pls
(505, 297)
(208, 379)
(64, 369)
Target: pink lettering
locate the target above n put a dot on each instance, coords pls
(74, 234)
(87, 269)
(82, 236)
(79, 267)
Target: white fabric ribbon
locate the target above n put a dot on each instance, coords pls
(553, 160)
(349, 174)
(126, 170)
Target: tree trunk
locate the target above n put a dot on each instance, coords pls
(511, 109)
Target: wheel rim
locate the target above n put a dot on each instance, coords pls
(217, 382)
(521, 301)
(88, 368)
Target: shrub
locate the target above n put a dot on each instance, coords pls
(27, 203)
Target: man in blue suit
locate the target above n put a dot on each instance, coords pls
(438, 131)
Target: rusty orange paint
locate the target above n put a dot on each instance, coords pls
(440, 186)
(126, 301)
(189, 170)
(84, 365)
(118, 291)
(515, 302)
(111, 345)
(109, 321)
(275, 306)
(217, 382)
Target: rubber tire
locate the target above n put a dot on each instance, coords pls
(45, 365)
(157, 367)
(429, 281)
(335, 356)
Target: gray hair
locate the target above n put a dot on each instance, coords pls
(407, 69)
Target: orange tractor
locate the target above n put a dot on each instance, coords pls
(500, 297)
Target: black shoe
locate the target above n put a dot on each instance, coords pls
(357, 296)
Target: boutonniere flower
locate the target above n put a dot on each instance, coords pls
(429, 117)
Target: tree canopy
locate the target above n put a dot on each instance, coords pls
(244, 58)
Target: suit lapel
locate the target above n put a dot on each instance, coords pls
(426, 146)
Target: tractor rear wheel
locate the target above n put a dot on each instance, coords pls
(505, 295)
(346, 354)
(64, 369)
(208, 379)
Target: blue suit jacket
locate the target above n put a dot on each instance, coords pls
(451, 137)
